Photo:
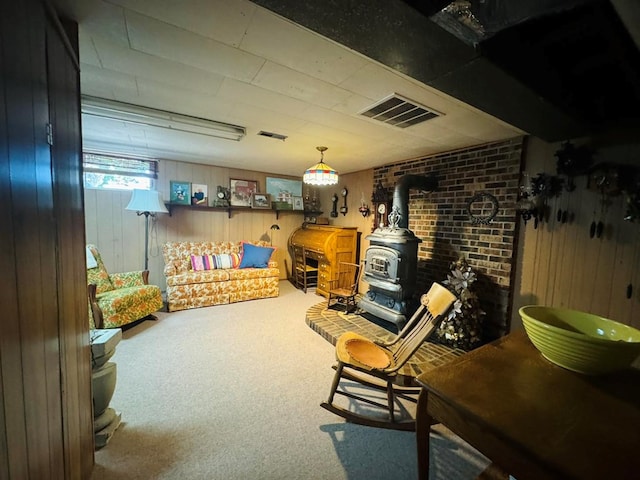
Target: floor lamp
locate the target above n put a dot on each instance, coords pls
(147, 203)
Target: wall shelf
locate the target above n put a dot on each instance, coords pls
(229, 210)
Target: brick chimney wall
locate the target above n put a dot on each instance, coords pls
(441, 221)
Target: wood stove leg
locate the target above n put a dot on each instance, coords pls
(423, 430)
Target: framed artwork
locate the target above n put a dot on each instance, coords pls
(199, 195)
(180, 192)
(282, 191)
(222, 197)
(260, 200)
(240, 192)
(298, 204)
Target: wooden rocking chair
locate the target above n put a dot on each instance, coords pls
(380, 362)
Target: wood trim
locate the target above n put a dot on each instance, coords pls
(52, 15)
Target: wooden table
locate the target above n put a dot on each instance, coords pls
(532, 418)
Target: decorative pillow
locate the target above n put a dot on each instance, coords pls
(255, 256)
(213, 262)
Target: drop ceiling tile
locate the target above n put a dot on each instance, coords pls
(298, 85)
(349, 124)
(88, 52)
(96, 17)
(352, 104)
(142, 65)
(264, 119)
(377, 82)
(222, 20)
(164, 97)
(105, 83)
(290, 45)
(250, 94)
(477, 125)
(166, 41)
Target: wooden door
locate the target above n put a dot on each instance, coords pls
(45, 383)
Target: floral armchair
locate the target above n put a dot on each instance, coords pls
(118, 299)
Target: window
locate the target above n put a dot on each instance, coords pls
(118, 173)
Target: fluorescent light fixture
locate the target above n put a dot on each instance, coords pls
(129, 113)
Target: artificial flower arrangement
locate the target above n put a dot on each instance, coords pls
(462, 328)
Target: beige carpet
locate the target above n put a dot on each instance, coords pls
(233, 392)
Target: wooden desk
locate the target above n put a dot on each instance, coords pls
(327, 245)
(532, 418)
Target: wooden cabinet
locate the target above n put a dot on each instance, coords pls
(326, 247)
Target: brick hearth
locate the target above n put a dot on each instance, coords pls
(330, 324)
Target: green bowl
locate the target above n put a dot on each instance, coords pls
(580, 341)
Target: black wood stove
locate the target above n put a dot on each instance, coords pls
(391, 261)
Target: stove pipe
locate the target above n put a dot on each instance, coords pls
(401, 194)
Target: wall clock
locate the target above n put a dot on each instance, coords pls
(382, 214)
(343, 208)
(334, 210)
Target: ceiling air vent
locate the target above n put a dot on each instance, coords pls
(277, 136)
(400, 112)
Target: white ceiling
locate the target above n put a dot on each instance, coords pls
(235, 62)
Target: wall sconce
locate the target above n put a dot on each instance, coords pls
(364, 208)
(525, 204)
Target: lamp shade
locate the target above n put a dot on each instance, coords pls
(146, 201)
(320, 173)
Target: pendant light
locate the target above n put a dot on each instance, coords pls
(320, 173)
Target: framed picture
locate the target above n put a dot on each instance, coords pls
(222, 197)
(180, 192)
(199, 195)
(240, 192)
(282, 191)
(298, 203)
(260, 200)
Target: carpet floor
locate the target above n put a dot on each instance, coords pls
(233, 392)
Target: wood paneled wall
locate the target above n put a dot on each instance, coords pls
(119, 233)
(555, 264)
(46, 414)
(560, 265)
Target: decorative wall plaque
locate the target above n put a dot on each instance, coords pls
(482, 208)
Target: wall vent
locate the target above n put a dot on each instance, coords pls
(399, 112)
(277, 136)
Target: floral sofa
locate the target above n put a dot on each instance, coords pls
(118, 299)
(201, 274)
